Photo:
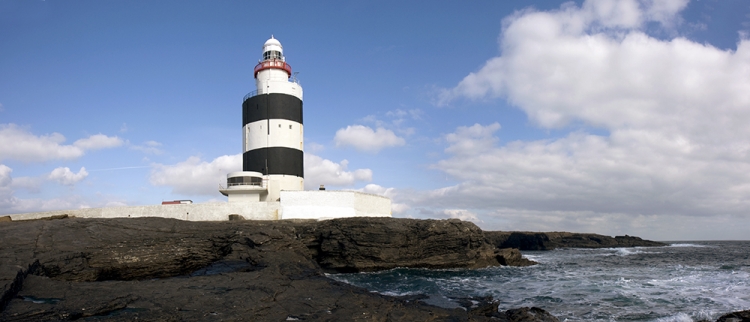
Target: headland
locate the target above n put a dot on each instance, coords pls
(167, 269)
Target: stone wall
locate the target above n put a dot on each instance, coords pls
(217, 211)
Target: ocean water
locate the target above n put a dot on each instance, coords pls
(686, 281)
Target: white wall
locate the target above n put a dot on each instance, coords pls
(284, 133)
(276, 81)
(294, 205)
(218, 211)
(332, 204)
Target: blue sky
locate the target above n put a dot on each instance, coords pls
(611, 116)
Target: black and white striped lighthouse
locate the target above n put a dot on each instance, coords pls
(272, 131)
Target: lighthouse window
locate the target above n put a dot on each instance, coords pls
(290, 126)
(271, 54)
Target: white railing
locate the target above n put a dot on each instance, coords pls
(262, 184)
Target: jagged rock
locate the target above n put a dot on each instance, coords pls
(512, 257)
(369, 244)
(525, 314)
(552, 240)
(165, 269)
(741, 316)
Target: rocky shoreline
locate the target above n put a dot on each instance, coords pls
(553, 240)
(169, 270)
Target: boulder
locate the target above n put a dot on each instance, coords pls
(741, 316)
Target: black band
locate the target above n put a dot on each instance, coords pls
(272, 106)
(280, 160)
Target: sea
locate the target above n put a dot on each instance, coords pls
(685, 281)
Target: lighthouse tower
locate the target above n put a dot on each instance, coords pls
(272, 132)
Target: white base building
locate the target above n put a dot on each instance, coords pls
(318, 205)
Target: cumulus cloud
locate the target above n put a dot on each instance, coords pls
(194, 176)
(12, 204)
(326, 172)
(470, 140)
(18, 143)
(398, 207)
(6, 192)
(64, 176)
(197, 177)
(98, 141)
(676, 114)
(630, 172)
(461, 214)
(364, 138)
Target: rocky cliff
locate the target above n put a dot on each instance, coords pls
(552, 240)
(163, 269)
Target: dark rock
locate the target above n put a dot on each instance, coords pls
(5, 219)
(512, 257)
(236, 217)
(741, 316)
(525, 314)
(369, 244)
(552, 240)
(55, 217)
(171, 270)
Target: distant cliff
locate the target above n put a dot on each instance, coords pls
(552, 240)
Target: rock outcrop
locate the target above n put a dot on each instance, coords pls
(741, 316)
(370, 244)
(164, 269)
(552, 240)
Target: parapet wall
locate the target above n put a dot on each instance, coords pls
(294, 205)
(333, 204)
(217, 211)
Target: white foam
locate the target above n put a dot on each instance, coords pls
(679, 317)
(688, 245)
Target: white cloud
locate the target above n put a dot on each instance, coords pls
(6, 192)
(473, 139)
(629, 172)
(397, 207)
(461, 214)
(30, 184)
(326, 172)
(64, 176)
(18, 143)
(313, 147)
(148, 147)
(5, 178)
(98, 141)
(194, 176)
(364, 138)
(676, 113)
(11, 204)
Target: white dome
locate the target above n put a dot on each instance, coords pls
(272, 44)
(272, 41)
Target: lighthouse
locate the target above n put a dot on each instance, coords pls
(271, 183)
(272, 132)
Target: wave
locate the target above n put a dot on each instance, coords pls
(688, 245)
(679, 317)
